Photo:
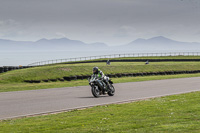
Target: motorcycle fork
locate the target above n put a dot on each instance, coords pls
(100, 85)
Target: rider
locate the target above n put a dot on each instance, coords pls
(100, 75)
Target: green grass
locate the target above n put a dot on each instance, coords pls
(6, 87)
(148, 58)
(14, 80)
(177, 113)
(59, 71)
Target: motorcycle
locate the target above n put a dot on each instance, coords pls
(99, 87)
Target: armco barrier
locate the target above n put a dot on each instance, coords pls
(117, 75)
(135, 60)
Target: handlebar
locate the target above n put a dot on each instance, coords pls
(95, 79)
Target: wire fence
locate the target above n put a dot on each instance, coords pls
(113, 56)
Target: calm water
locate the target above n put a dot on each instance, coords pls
(25, 58)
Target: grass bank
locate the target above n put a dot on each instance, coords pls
(177, 113)
(59, 71)
(145, 57)
(6, 87)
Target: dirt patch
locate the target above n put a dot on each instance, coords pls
(65, 69)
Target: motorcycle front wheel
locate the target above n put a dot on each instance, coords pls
(111, 91)
(95, 91)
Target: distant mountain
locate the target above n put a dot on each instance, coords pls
(61, 41)
(49, 44)
(7, 45)
(154, 40)
(59, 44)
(160, 43)
(161, 39)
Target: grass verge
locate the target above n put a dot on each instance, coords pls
(177, 113)
(6, 87)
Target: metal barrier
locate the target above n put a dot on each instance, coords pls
(114, 56)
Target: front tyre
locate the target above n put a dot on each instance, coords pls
(95, 91)
(111, 91)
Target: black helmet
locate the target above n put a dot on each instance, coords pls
(95, 70)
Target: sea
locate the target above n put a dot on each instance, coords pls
(24, 58)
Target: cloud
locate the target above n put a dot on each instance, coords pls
(10, 28)
(60, 35)
(109, 21)
(9, 23)
(125, 31)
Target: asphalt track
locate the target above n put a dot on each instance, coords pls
(36, 102)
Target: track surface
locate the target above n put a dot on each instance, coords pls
(26, 103)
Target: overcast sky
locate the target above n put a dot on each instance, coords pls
(114, 22)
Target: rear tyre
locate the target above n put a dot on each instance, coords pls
(95, 91)
(111, 91)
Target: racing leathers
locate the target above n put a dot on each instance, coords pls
(100, 75)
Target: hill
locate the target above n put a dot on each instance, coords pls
(154, 44)
(49, 44)
(161, 43)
